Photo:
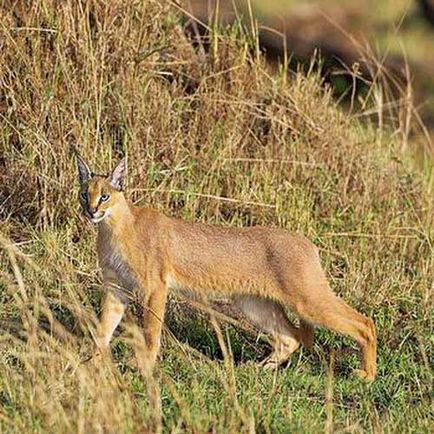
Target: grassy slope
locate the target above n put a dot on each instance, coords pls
(120, 78)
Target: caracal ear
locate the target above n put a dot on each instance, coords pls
(84, 173)
(117, 178)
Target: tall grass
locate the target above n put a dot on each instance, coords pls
(209, 136)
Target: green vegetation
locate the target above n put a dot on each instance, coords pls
(209, 137)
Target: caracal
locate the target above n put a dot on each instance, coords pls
(263, 270)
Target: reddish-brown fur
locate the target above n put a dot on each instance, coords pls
(262, 269)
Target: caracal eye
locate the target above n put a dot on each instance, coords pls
(83, 195)
(105, 197)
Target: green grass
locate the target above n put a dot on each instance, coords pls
(215, 139)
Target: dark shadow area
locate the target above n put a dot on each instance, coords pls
(193, 327)
(342, 38)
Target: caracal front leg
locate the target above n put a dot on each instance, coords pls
(112, 313)
(153, 321)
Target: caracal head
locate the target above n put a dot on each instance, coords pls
(99, 194)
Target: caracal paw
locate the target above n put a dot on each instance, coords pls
(270, 364)
(364, 375)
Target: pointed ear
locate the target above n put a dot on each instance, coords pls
(117, 178)
(84, 173)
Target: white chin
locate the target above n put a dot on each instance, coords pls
(98, 219)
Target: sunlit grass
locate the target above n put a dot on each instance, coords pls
(213, 139)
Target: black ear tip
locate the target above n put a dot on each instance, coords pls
(122, 164)
(74, 150)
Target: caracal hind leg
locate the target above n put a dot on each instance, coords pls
(270, 317)
(306, 333)
(112, 313)
(325, 309)
(153, 323)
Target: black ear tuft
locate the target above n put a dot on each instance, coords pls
(117, 178)
(84, 172)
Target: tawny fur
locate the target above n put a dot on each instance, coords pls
(262, 269)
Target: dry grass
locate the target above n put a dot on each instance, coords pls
(211, 138)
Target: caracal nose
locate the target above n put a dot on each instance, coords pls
(92, 210)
